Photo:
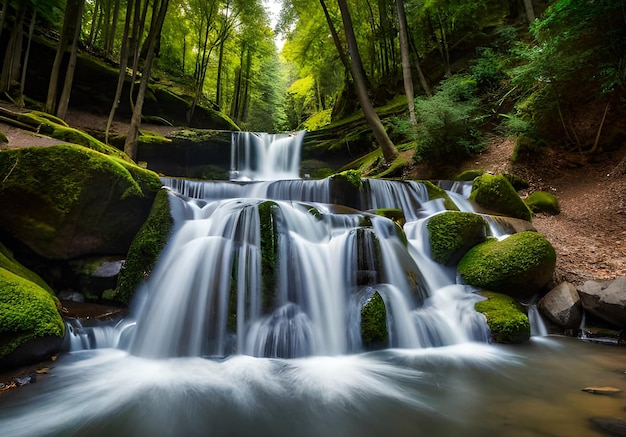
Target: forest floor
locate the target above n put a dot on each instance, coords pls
(589, 234)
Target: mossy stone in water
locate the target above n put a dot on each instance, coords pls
(495, 193)
(374, 333)
(435, 192)
(541, 201)
(506, 318)
(145, 248)
(27, 312)
(468, 175)
(452, 234)
(521, 265)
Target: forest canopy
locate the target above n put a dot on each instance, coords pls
(545, 72)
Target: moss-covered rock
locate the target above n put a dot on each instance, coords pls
(468, 175)
(452, 234)
(28, 313)
(521, 265)
(8, 262)
(145, 248)
(517, 182)
(67, 201)
(3, 138)
(58, 129)
(374, 333)
(540, 201)
(508, 323)
(434, 192)
(495, 193)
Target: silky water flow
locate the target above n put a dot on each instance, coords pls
(252, 323)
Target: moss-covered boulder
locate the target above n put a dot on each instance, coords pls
(374, 333)
(58, 129)
(145, 249)
(452, 234)
(468, 175)
(67, 201)
(495, 193)
(541, 201)
(508, 323)
(435, 192)
(31, 328)
(521, 265)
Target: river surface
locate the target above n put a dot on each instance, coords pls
(470, 389)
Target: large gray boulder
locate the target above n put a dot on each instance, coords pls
(606, 301)
(562, 306)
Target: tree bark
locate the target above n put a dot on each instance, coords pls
(406, 60)
(130, 145)
(3, 14)
(64, 100)
(387, 147)
(530, 11)
(335, 35)
(12, 57)
(122, 73)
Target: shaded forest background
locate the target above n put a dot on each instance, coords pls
(549, 74)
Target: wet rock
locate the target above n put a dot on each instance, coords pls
(495, 193)
(71, 296)
(606, 301)
(613, 426)
(508, 323)
(605, 390)
(562, 306)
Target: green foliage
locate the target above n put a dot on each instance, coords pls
(506, 318)
(541, 201)
(27, 311)
(145, 248)
(353, 177)
(452, 234)
(487, 70)
(520, 265)
(374, 322)
(495, 193)
(448, 122)
(318, 120)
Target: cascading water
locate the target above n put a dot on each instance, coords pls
(275, 285)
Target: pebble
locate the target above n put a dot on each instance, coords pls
(602, 390)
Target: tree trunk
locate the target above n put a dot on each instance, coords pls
(114, 18)
(122, 73)
(387, 147)
(336, 40)
(406, 60)
(530, 11)
(218, 87)
(64, 100)
(130, 146)
(3, 14)
(11, 66)
(31, 30)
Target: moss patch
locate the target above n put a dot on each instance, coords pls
(506, 318)
(374, 323)
(452, 234)
(353, 177)
(27, 311)
(67, 201)
(520, 265)
(9, 263)
(468, 175)
(58, 129)
(495, 193)
(540, 201)
(145, 248)
(434, 192)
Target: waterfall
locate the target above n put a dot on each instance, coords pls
(262, 156)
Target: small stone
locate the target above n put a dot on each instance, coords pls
(602, 390)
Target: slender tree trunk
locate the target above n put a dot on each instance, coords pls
(122, 73)
(130, 146)
(94, 19)
(114, 18)
(335, 35)
(220, 62)
(64, 100)
(530, 11)
(3, 14)
(420, 71)
(12, 57)
(139, 22)
(31, 30)
(406, 60)
(387, 147)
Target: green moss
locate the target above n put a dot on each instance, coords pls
(60, 131)
(146, 248)
(269, 253)
(434, 192)
(398, 218)
(8, 262)
(506, 318)
(452, 234)
(520, 265)
(517, 182)
(374, 323)
(495, 193)
(540, 201)
(353, 177)
(27, 311)
(394, 169)
(3, 138)
(468, 175)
